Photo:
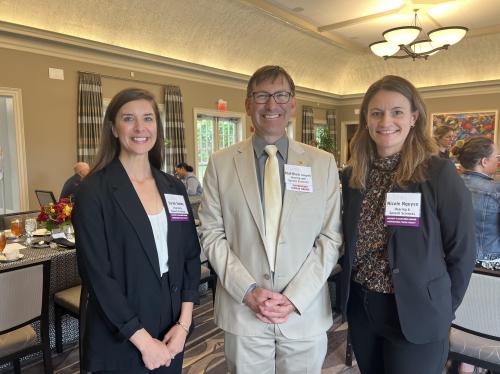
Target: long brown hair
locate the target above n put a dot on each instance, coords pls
(418, 146)
(110, 146)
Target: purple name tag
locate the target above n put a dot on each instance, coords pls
(179, 217)
(402, 221)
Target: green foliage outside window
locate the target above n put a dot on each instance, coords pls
(326, 141)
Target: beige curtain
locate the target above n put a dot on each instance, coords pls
(175, 146)
(307, 125)
(331, 122)
(89, 119)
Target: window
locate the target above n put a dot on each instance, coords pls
(319, 129)
(13, 174)
(214, 131)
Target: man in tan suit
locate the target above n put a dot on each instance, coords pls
(272, 251)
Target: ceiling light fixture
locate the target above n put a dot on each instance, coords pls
(401, 42)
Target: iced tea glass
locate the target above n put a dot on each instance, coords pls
(16, 228)
(3, 241)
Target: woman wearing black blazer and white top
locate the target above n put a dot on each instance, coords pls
(138, 252)
(409, 236)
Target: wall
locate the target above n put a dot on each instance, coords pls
(454, 104)
(50, 109)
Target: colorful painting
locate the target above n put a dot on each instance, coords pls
(483, 123)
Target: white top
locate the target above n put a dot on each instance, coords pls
(159, 224)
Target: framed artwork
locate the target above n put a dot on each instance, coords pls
(466, 124)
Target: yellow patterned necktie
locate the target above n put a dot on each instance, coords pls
(272, 202)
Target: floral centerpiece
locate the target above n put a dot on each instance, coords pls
(56, 215)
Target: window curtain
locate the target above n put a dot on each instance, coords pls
(307, 125)
(89, 120)
(175, 146)
(331, 122)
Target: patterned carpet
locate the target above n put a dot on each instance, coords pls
(205, 349)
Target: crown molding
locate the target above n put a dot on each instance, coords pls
(432, 92)
(48, 43)
(29, 39)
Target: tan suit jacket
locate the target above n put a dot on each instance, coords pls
(233, 232)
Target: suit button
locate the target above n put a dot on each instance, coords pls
(174, 288)
(267, 277)
(395, 271)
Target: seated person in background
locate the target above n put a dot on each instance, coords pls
(444, 136)
(478, 157)
(81, 170)
(185, 173)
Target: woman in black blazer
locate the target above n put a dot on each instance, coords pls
(409, 236)
(138, 251)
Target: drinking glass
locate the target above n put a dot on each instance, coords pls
(15, 227)
(29, 227)
(3, 241)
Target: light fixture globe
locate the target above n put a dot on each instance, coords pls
(383, 48)
(448, 35)
(423, 46)
(402, 35)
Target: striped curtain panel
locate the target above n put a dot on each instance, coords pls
(307, 125)
(331, 122)
(89, 116)
(175, 146)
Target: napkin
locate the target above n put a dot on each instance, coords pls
(13, 247)
(64, 242)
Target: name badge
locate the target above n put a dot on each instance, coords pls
(177, 208)
(298, 178)
(402, 209)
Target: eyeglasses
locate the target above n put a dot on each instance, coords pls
(280, 97)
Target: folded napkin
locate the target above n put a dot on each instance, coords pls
(63, 242)
(13, 247)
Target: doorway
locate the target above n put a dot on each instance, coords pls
(347, 130)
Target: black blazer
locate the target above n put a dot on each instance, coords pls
(431, 264)
(118, 263)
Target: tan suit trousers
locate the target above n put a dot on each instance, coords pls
(273, 353)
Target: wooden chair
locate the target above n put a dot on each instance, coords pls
(66, 302)
(475, 333)
(5, 219)
(24, 295)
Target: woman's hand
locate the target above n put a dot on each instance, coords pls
(154, 352)
(175, 338)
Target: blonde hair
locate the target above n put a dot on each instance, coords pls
(418, 146)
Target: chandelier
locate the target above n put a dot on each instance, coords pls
(401, 42)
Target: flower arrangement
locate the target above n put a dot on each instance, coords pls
(55, 215)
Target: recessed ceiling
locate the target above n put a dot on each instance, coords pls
(362, 22)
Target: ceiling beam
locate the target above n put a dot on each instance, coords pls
(301, 24)
(354, 21)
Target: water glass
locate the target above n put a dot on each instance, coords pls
(29, 227)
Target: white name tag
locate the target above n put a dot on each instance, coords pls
(298, 178)
(176, 206)
(402, 209)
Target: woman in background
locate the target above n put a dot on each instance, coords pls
(185, 173)
(138, 251)
(479, 158)
(409, 238)
(444, 136)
